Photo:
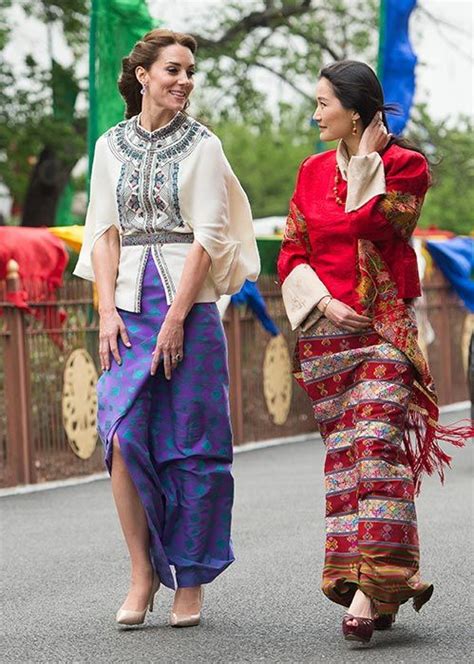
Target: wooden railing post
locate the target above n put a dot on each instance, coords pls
(17, 386)
(235, 375)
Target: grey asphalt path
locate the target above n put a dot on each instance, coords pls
(65, 574)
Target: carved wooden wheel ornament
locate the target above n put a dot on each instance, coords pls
(80, 403)
(277, 379)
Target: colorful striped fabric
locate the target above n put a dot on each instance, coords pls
(360, 386)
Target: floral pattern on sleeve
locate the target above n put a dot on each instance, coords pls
(296, 229)
(402, 210)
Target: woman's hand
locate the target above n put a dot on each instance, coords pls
(169, 346)
(111, 325)
(345, 316)
(374, 138)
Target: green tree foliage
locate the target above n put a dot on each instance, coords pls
(266, 156)
(28, 124)
(37, 111)
(72, 15)
(449, 145)
(287, 41)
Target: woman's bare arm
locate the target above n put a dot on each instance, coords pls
(169, 343)
(105, 260)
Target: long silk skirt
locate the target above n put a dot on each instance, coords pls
(175, 437)
(360, 387)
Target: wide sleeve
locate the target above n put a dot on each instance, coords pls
(301, 287)
(102, 209)
(393, 210)
(217, 209)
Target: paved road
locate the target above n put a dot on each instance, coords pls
(65, 574)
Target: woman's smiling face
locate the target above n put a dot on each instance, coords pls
(335, 121)
(169, 81)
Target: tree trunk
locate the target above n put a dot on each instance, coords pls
(47, 183)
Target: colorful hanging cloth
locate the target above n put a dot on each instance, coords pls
(250, 295)
(455, 259)
(42, 260)
(397, 60)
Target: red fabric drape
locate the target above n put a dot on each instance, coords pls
(42, 259)
(41, 256)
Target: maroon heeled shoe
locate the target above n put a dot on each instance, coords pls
(362, 632)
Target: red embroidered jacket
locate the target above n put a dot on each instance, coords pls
(319, 231)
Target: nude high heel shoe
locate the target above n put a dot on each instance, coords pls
(128, 617)
(187, 620)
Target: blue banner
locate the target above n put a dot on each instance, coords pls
(250, 295)
(455, 259)
(397, 60)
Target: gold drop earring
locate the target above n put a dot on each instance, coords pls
(354, 127)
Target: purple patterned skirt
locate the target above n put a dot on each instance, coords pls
(175, 437)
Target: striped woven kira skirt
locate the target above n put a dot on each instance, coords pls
(360, 387)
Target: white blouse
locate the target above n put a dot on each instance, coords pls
(174, 180)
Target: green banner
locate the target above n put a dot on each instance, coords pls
(269, 248)
(115, 26)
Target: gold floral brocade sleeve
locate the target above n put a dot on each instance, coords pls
(402, 210)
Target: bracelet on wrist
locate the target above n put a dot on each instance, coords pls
(325, 306)
(320, 300)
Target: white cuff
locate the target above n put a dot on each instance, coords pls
(301, 291)
(365, 179)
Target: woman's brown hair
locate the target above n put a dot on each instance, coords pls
(144, 54)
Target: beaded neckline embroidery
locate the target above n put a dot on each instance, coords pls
(161, 133)
(128, 140)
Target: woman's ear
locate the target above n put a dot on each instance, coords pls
(355, 115)
(140, 74)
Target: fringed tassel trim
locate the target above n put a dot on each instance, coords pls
(423, 445)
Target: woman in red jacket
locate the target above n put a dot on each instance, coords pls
(348, 277)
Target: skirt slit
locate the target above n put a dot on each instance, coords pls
(149, 493)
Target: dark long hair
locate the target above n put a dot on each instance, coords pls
(357, 87)
(144, 54)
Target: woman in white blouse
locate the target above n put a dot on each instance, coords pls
(168, 230)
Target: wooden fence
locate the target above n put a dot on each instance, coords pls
(34, 347)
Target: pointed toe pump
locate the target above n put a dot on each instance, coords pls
(187, 619)
(129, 618)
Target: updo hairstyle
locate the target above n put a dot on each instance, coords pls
(144, 54)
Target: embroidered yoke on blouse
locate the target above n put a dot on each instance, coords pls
(162, 190)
